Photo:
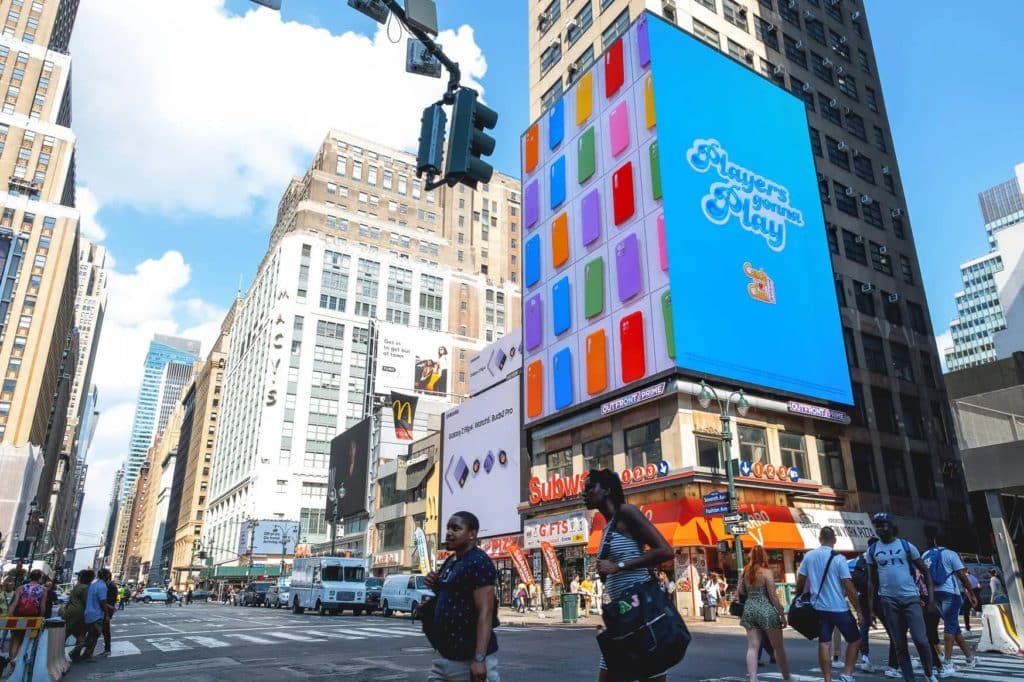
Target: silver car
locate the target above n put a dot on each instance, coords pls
(278, 595)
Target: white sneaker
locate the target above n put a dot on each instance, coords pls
(837, 664)
(893, 673)
(933, 678)
(864, 664)
(947, 670)
(846, 678)
(972, 662)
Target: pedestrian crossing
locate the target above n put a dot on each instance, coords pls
(134, 646)
(990, 668)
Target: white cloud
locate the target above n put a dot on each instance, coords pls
(146, 301)
(944, 342)
(190, 109)
(89, 206)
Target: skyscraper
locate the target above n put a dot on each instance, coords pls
(897, 453)
(38, 231)
(162, 351)
(990, 287)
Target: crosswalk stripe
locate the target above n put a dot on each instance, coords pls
(284, 634)
(334, 635)
(168, 644)
(384, 632)
(248, 638)
(121, 648)
(208, 642)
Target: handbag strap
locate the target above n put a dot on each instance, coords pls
(606, 539)
(824, 575)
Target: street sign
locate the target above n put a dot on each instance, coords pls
(715, 509)
(737, 529)
(737, 517)
(716, 497)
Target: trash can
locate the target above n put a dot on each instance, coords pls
(710, 613)
(570, 608)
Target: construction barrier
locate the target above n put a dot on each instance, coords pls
(24, 668)
(41, 657)
(998, 632)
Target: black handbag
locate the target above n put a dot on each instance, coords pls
(643, 633)
(802, 616)
(736, 608)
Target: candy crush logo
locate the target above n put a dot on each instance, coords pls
(759, 204)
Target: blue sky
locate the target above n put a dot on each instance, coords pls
(191, 116)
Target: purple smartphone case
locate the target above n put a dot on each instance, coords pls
(627, 267)
(531, 204)
(591, 218)
(643, 42)
(533, 324)
(618, 125)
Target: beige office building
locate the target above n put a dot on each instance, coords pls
(38, 237)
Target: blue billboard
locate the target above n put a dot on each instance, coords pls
(752, 290)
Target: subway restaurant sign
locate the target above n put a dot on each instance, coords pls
(558, 488)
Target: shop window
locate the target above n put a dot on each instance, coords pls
(560, 464)
(753, 444)
(830, 462)
(709, 452)
(864, 467)
(643, 444)
(597, 454)
(794, 452)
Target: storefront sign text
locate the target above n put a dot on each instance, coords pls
(826, 413)
(634, 398)
(388, 559)
(571, 528)
(561, 488)
(769, 472)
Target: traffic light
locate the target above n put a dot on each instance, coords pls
(467, 141)
(432, 129)
(272, 4)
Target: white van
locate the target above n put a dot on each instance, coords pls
(328, 584)
(404, 592)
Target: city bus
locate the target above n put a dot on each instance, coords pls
(328, 585)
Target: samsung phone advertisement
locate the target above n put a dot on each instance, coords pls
(480, 465)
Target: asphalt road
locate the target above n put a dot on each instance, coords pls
(207, 642)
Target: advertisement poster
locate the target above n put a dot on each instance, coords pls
(853, 529)
(403, 412)
(480, 462)
(412, 360)
(496, 362)
(515, 552)
(421, 551)
(569, 528)
(348, 471)
(271, 537)
(551, 560)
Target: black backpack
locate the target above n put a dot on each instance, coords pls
(860, 575)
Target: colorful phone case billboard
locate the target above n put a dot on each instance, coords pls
(674, 164)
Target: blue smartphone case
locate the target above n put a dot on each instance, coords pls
(556, 124)
(531, 261)
(560, 306)
(562, 364)
(557, 183)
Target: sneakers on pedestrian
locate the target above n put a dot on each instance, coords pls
(864, 664)
(836, 664)
(947, 670)
(972, 661)
(846, 678)
(893, 673)
(933, 678)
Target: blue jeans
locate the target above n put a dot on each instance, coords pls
(901, 613)
(865, 628)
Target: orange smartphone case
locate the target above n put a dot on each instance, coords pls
(560, 240)
(597, 363)
(532, 148)
(534, 389)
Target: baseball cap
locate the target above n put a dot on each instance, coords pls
(882, 517)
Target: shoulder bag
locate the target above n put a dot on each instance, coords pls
(428, 607)
(802, 616)
(643, 634)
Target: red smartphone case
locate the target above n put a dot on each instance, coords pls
(631, 336)
(614, 69)
(622, 193)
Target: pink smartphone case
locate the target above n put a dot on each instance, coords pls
(618, 127)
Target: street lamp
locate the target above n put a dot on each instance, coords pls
(252, 540)
(285, 537)
(707, 393)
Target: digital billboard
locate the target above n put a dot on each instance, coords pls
(271, 537)
(412, 360)
(480, 459)
(348, 472)
(496, 362)
(655, 168)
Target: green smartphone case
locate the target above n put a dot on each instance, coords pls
(586, 148)
(655, 171)
(670, 332)
(593, 288)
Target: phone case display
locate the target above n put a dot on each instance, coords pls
(531, 261)
(586, 155)
(662, 247)
(560, 240)
(556, 124)
(532, 153)
(561, 307)
(622, 193)
(561, 363)
(531, 204)
(597, 362)
(593, 315)
(666, 313)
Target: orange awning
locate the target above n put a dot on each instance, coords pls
(683, 524)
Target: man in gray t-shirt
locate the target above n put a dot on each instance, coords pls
(892, 561)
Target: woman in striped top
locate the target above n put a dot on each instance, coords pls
(634, 545)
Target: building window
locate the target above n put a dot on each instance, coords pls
(917, 319)
(709, 452)
(848, 86)
(885, 412)
(392, 535)
(864, 469)
(880, 139)
(874, 354)
(830, 461)
(832, 233)
(816, 30)
(844, 201)
(312, 522)
(767, 34)
(559, 464)
(830, 112)
(836, 155)
(707, 34)
(855, 124)
(615, 29)
(598, 454)
(895, 472)
(735, 13)
(794, 452)
(550, 57)
(897, 227)
(753, 443)
(643, 444)
(795, 50)
(709, 4)
(816, 142)
(853, 245)
(872, 99)
(880, 260)
(892, 309)
(584, 19)
(923, 474)
(901, 365)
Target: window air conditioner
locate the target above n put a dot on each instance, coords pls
(866, 199)
(742, 11)
(791, 3)
(799, 44)
(896, 212)
(778, 70)
(883, 249)
(847, 110)
(840, 70)
(771, 28)
(833, 102)
(885, 170)
(807, 87)
(809, 14)
(842, 40)
(855, 15)
(843, 146)
(893, 298)
(851, 192)
(858, 239)
(826, 62)
(867, 288)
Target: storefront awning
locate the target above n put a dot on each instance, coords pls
(683, 524)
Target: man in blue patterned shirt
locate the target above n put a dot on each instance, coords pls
(464, 615)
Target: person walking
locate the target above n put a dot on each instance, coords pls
(860, 574)
(949, 576)
(74, 611)
(892, 560)
(825, 568)
(631, 545)
(95, 609)
(110, 607)
(122, 598)
(536, 604)
(969, 605)
(996, 588)
(712, 595)
(29, 600)
(188, 597)
(462, 627)
(763, 614)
